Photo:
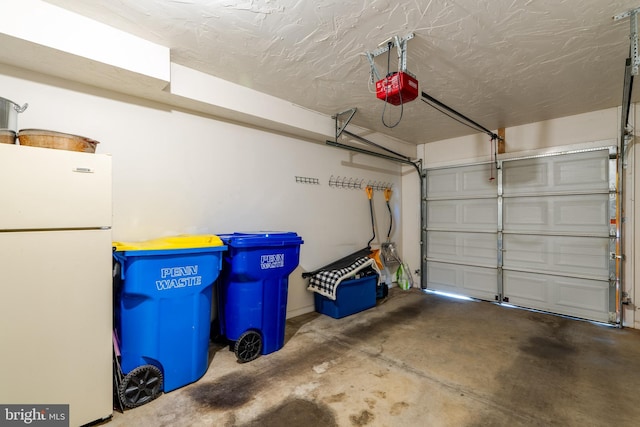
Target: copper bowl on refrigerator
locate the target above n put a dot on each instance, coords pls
(57, 140)
(7, 136)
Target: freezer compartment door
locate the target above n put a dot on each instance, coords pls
(56, 317)
(44, 188)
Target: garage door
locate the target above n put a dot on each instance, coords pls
(557, 216)
(539, 236)
(462, 227)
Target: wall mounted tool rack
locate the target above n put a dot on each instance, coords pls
(307, 180)
(344, 182)
(357, 184)
(379, 186)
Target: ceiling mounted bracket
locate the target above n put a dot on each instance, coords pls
(339, 129)
(633, 36)
(401, 45)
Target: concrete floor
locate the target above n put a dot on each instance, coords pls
(418, 360)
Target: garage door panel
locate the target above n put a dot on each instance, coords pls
(577, 255)
(461, 182)
(574, 173)
(443, 214)
(525, 176)
(583, 171)
(442, 245)
(590, 213)
(583, 295)
(477, 282)
(526, 289)
(459, 215)
(442, 183)
(524, 213)
(564, 295)
(581, 256)
(577, 214)
(465, 248)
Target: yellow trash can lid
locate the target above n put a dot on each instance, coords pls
(185, 241)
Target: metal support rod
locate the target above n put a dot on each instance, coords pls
(462, 116)
(384, 46)
(423, 231)
(371, 153)
(635, 63)
(633, 36)
(352, 112)
(622, 148)
(374, 71)
(616, 208)
(401, 45)
(341, 130)
(366, 141)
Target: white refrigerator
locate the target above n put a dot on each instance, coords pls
(55, 281)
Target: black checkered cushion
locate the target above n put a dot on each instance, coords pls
(326, 282)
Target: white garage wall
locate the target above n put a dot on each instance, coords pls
(584, 129)
(177, 172)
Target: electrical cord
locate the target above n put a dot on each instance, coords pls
(389, 44)
(385, 107)
(386, 91)
(495, 158)
(390, 221)
(373, 226)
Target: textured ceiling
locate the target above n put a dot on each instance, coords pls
(500, 62)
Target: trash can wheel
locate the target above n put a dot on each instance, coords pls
(140, 386)
(248, 346)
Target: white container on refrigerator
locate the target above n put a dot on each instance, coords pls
(55, 280)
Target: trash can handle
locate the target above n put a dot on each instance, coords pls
(120, 258)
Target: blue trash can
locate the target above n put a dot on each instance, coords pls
(253, 287)
(163, 311)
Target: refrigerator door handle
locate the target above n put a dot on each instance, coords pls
(83, 170)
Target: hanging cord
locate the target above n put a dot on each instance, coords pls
(369, 190)
(495, 151)
(495, 158)
(386, 91)
(387, 197)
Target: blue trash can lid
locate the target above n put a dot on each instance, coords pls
(261, 238)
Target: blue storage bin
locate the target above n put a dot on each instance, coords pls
(352, 296)
(163, 311)
(253, 289)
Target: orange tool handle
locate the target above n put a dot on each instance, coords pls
(369, 190)
(387, 194)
